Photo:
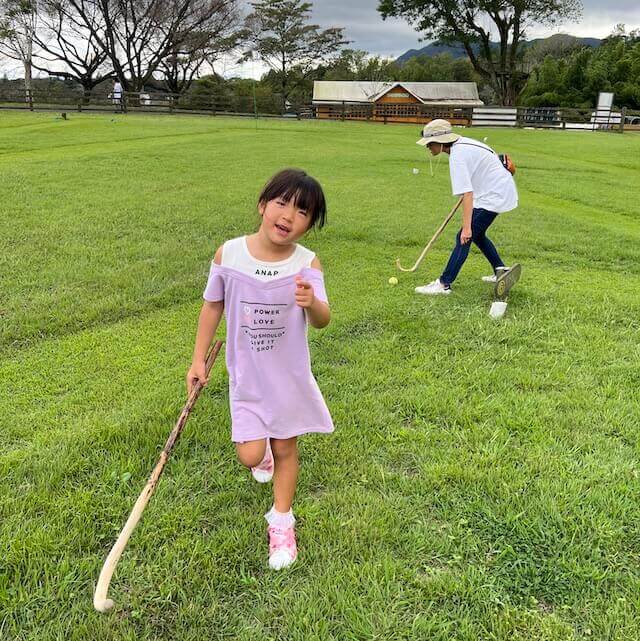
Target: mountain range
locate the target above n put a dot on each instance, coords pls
(557, 41)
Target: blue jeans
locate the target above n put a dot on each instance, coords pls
(481, 220)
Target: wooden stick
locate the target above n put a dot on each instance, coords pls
(100, 600)
(433, 240)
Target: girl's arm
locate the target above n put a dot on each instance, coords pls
(208, 322)
(318, 312)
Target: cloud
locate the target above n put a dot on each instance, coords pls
(365, 27)
(390, 38)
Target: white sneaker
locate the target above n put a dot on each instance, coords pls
(263, 472)
(436, 287)
(494, 277)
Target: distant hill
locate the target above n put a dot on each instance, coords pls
(555, 42)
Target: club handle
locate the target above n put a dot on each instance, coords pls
(101, 602)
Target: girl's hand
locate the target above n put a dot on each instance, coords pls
(465, 235)
(197, 372)
(304, 293)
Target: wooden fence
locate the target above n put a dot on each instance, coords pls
(243, 105)
(486, 116)
(557, 118)
(144, 101)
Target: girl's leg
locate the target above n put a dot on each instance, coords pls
(251, 453)
(285, 475)
(282, 538)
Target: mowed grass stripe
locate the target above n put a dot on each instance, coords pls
(483, 479)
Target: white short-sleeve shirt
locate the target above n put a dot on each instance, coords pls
(475, 167)
(235, 254)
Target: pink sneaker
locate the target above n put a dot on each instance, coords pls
(263, 472)
(282, 547)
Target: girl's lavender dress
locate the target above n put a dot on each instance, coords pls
(271, 388)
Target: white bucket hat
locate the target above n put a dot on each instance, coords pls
(437, 131)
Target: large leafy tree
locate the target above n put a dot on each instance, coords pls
(278, 32)
(476, 24)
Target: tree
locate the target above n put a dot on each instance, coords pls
(68, 48)
(475, 22)
(576, 79)
(279, 34)
(139, 34)
(355, 64)
(18, 24)
(196, 46)
(441, 68)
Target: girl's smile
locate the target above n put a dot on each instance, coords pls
(283, 221)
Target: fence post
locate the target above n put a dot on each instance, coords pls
(623, 113)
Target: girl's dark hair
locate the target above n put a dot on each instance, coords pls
(305, 191)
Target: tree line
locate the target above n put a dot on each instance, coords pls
(176, 45)
(138, 41)
(575, 78)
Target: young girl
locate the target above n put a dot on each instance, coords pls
(269, 288)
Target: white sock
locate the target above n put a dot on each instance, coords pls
(280, 519)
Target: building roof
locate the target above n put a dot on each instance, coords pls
(359, 91)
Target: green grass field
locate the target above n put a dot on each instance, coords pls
(482, 482)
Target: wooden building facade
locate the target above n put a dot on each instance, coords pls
(409, 102)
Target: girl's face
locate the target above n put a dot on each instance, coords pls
(282, 221)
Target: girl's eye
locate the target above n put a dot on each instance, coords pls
(280, 203)
(302, 211)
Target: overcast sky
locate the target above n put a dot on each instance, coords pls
(391, 38)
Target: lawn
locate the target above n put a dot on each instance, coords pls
(483, 479)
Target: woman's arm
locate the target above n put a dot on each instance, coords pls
(467, 213)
